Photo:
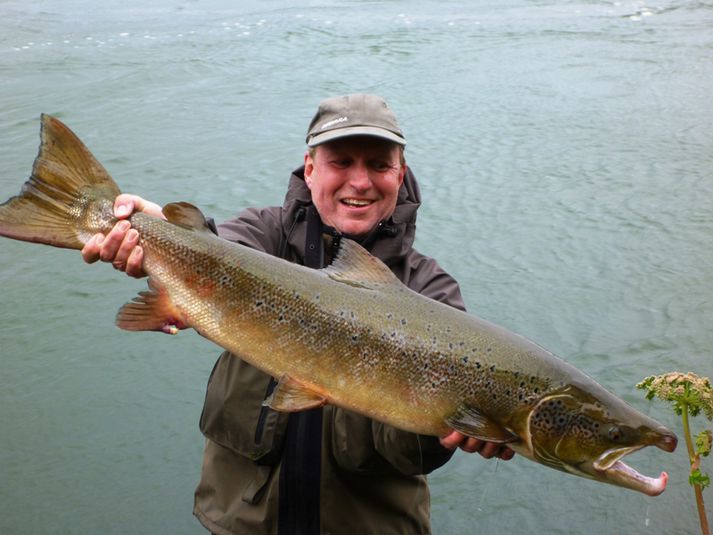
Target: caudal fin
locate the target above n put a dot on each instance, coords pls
(68, 198)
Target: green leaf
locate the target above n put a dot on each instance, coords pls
(704, 441)
(699, 478)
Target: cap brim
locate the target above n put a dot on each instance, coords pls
(350, 131)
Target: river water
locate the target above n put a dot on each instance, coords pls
(564, 150)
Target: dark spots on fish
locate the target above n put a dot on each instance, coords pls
(522, 384)
(403, 321)
(492, 368)
(507, 392)
(258, 304)
(389, 316)
(537, 390)
(355, 338)
(465, 360)
(478, 365)
(450, 346)
(489, 350)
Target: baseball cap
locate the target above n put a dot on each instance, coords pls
(353, 115)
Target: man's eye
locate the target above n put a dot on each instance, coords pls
(342, 164)
(380, 166)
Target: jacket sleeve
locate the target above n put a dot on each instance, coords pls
(408, 453)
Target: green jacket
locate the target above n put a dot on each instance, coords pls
(371, 475)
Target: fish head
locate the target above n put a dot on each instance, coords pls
(588, 434)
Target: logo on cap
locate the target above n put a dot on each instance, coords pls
(333, 122)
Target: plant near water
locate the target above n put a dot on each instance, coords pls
(689, 395)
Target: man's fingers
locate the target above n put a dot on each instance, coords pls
(451, 440)
(112, 242)
(506, 454)
(123, 210)
(90, 251)
(126, 204)
(131, 239)
(134, 264)
(472, 445)
(486, 449)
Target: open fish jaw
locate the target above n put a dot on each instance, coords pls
(623, 475)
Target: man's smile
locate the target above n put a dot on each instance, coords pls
(356, 202)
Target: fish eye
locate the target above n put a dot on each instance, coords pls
(619, 433)
(615, 433)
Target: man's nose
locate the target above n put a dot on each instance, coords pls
(359, 176)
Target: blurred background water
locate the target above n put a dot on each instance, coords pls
(564, 149)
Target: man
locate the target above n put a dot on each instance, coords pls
(326, 470)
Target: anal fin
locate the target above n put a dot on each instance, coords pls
(292, 396)
(151, 310)
(471, 422)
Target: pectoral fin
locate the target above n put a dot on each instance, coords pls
(292, 396)
(471, 422)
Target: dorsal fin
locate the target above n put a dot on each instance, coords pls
(354, 265)
(187, 216)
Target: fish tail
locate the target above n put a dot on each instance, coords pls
(68, 198)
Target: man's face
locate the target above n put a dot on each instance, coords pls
(355, 182)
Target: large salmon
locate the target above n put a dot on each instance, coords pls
(351, 334)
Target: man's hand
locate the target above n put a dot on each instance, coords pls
(121, 245)
(454, 440)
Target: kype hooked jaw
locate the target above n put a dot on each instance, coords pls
(609, 468)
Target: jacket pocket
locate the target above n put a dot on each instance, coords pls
(234, 416)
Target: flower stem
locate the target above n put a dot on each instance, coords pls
(693, 458)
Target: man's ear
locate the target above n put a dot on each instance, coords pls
(309, 169)
(402, 174)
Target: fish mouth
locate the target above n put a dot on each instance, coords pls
(610, 468)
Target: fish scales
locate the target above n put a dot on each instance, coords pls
(263, 311)
(350, 334)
